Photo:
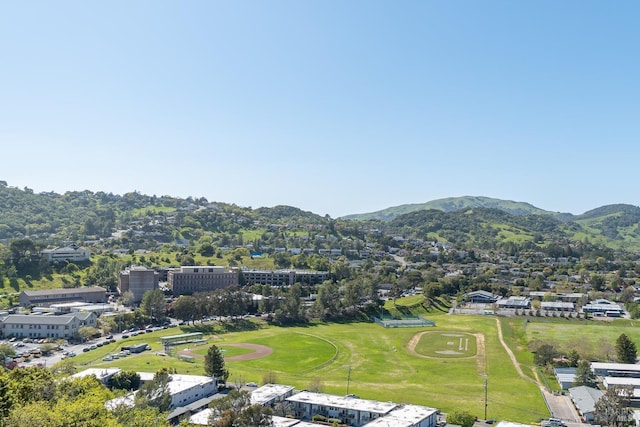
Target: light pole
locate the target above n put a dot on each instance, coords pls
(486, 384)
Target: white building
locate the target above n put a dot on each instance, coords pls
(351, 410)
(68, 253)
(103, 375)
(615, 369)
(408, 416)
(65, 326)
(270, 394)
(184, 389)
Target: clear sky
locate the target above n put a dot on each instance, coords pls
(335, 107)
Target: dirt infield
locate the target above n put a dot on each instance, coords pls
(259, 351)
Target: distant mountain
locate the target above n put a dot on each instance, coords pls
(454, 204)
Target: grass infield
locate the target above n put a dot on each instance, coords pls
(447, 345)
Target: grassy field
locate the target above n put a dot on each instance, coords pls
(380, 364)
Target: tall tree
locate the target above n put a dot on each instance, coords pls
(626, 349)
(612, 409)
(584, 374)
(574, 358)
(184, 308)
(214, 364)
(153, 304)
(544, 355)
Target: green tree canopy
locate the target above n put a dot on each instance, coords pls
(544, 355)
(625, 350)
(613, 407)
(214, 364)
(461, 418)
(584, 374)
(153, 304)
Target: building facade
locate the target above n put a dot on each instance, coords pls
(283, 277)
(92, 294)
(189, 280)
(68, 253)
(138, 280)
(65, 326)
(350, 410)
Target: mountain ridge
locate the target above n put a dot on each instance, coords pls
(452, 204)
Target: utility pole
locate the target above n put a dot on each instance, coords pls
(348, 379)
(486, 383)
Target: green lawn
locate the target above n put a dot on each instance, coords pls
(380, 365)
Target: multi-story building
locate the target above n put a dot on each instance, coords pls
(351, 410)
(184, 390)
(283, 277)
(93, 294)
(357, 412)
(192, 279)
(138, 280)
(68, 253)
(65, 326)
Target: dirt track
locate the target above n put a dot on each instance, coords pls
(259, 351)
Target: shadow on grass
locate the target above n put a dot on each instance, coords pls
(238, 325)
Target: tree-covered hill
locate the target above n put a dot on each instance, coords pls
(143, 222)
(620, 223)
(480, 227)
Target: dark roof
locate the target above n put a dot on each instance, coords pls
(195, 406)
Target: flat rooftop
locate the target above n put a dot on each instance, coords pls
(615, 366)
(99, 373)
(269, 392)
(352, 403)
(404, 416)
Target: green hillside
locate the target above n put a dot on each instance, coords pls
(452, 204)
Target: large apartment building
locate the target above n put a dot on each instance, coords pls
(192, 279)
(138, 280)
(283, 277)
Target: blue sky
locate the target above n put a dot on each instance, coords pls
(335, 107)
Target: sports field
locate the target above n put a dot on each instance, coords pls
(442, 368)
